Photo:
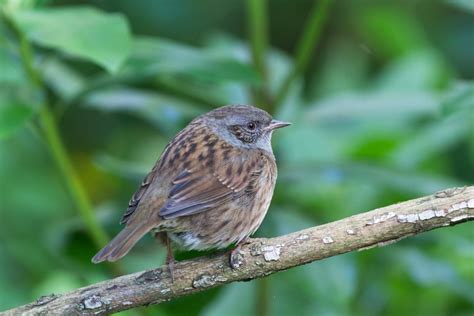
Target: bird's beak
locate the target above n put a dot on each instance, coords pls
(274, 124)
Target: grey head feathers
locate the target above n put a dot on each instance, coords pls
(242, 126)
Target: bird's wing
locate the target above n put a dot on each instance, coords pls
(205, 185)
(137, 196)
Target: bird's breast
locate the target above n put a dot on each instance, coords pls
(233, 221)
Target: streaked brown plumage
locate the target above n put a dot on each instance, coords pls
(211, 187)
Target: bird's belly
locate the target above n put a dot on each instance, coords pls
(224, 225)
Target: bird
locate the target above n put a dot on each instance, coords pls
(211, 187)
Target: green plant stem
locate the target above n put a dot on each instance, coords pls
(263, 288)
(257, 28)
(50, 132)
(306, 45)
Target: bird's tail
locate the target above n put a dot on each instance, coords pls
(122, 243)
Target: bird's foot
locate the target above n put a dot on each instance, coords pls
(170, 262)
(236, 259)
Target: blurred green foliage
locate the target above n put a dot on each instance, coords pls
(382, 111)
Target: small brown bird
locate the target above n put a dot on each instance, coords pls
(211, 187)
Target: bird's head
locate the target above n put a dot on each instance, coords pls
(244, 125)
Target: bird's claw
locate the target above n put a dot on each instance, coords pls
(171, 262)
(235, 258)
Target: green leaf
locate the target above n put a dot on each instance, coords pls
(63, 80)
(439, 135)
(341, 123)
(235, 299)
(124, 168)
(466, 5)
(432, 141)
(83, 32)
(377, 107)
(11, 71)
(164, 57)
(163, 110)
(278, 63)
(13, 115)
(9, 296)
(344, 67)
(204, 92)
(389, 31)
(416, 71)
(57, 282)
(429, 271)
(380, 176)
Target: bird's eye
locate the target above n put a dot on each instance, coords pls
(251, 126)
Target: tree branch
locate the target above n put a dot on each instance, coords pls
(262, 257)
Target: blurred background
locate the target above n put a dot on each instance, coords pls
(380, 93)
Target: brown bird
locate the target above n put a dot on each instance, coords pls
(211, 187)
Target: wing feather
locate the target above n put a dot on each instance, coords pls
(200, 189)
(136, 197)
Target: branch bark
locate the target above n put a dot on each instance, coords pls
(262, 256)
